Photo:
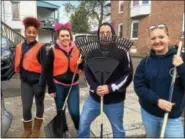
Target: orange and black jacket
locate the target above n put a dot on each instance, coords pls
(60, 65)
(29, 59)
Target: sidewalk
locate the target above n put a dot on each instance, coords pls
(132, 118)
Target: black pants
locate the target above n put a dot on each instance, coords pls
(27, 93)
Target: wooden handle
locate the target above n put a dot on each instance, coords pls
(165, 120)
(164, 125)
(179, 48)
(101, 109)
(80, 56)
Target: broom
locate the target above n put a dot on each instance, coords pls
(101, 65)
(165, 120)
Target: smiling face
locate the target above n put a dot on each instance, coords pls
(159, 41)
(30, 34)
(64, 37)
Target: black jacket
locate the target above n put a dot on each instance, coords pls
(65, 78)
(120, 78)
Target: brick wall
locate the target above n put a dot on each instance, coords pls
(168, 12)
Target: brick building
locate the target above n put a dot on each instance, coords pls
(131, 19)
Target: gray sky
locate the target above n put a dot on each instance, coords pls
(62, 15)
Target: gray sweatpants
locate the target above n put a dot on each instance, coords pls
(27, 94)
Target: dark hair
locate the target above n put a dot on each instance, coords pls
(106, 24)
(31, 21)
(63, 28)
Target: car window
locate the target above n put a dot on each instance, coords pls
(6, 43)
(3, 42)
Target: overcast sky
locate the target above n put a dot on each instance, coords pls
(62, 15)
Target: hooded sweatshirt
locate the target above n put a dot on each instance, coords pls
(118, 80)
(152, 82)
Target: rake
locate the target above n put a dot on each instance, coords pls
(100, 66)
(55, 128)
(165, 120)
(90, 43)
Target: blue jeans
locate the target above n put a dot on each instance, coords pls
(91, 110)
(153, 126)
(73, 103)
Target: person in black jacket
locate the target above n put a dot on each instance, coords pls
(113, 90)
(29, 62)
(62, 59)
(152, 83)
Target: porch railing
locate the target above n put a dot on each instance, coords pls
(11, 34)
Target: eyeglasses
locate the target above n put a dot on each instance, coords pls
(160, 26)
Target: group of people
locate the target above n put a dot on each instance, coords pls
(55, 69)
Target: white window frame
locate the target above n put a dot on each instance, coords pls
(131, 34)
(182, 36)
(18, 18)
(140, 3)
(120, 1)
(146, 3)
(119, 29)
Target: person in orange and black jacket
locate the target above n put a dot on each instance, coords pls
(62, 60)
(29, 61)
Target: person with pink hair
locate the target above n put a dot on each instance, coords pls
(61, 63)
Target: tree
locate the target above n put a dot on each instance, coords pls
(79, 20)
(95, 10)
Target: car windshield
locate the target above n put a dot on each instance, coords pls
(4, 43)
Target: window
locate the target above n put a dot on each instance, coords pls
(145, 1)
(134, 29)
(15, 11)
(120, 30)
(183, 34)
(139, 2)
(120, 6)
(135, 3)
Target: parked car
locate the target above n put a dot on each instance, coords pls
(81, 35)
(7, 71)
(7, 58)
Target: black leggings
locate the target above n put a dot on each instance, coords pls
(27, 94)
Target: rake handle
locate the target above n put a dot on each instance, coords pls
(101, 114)
(73, 78)
(165, 120)
(101, 131)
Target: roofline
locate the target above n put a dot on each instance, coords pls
(50, 3)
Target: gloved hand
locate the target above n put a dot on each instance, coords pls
(39, 90)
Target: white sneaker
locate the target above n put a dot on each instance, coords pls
(66, 134)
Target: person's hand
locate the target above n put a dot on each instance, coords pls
(102, 90)
(165, 105)
(79, 61)
(53, 94)
(177, 60)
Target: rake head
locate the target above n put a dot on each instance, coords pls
(89, 43)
